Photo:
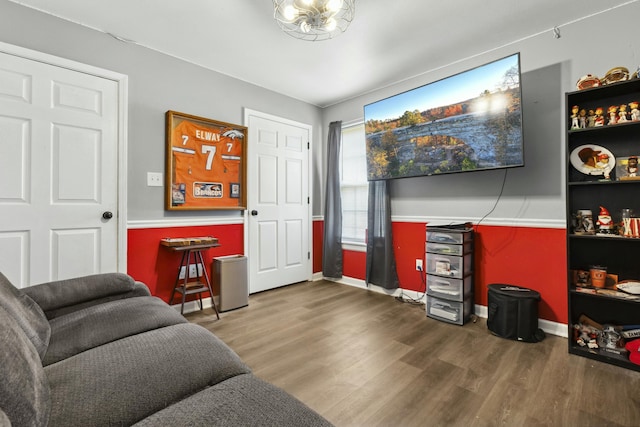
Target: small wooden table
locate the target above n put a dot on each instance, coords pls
(188, 286)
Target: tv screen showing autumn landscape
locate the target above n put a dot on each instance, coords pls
(467, 122)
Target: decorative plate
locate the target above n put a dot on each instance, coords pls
(593, 160)
(629, 287)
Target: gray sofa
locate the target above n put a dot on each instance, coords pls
(101, 351)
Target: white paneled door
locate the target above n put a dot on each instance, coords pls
(58, 172)
(279, 209)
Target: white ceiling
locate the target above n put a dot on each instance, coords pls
(388, 41)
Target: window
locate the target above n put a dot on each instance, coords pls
(354, 187)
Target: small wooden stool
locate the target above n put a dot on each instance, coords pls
(188, 286)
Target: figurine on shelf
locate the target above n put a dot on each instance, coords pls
(591, 119)
(574, 117)
(582, 118)
(603, 163)
(622, 113)
(584, 222)
(610, 338)
(604, 223)
(586, 335)
(632, 166)
(635, 112)
(613, 114)
(599, 121)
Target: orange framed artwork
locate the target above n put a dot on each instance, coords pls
(205, 163)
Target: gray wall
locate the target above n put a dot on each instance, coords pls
(534, 194)
(157, 83)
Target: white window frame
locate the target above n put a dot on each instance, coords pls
(354, 188)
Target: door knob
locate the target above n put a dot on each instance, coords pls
(107, 215)
(254, 212)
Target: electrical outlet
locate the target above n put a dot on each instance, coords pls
(195, 270)
(418, 264)
(154, 179)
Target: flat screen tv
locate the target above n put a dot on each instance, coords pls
(467, 122)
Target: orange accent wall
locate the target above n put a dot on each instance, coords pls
(157, 266)
(533, 258)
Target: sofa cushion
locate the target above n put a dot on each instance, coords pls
(82, 330)
(57, 295)
(244, 400)
(26, 313)
(24, 391)
(127, 380)
(139, 290)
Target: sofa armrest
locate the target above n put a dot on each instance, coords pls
(64, 296)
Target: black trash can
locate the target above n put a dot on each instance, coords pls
(513, 313)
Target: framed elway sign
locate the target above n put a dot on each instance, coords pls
(206, 163)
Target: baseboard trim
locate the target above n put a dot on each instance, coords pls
(552, 328)
(191, 306)
(359, 283)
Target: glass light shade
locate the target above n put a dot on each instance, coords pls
(289, 13)
(334, 5)
(313, 20)
(330, 25)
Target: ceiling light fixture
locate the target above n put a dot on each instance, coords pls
(314, 20)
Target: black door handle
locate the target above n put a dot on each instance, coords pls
(254, 212)
(107, 215)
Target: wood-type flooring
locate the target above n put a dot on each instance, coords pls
(361, 358)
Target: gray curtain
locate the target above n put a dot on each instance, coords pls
(381, 262)
(332, 243)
